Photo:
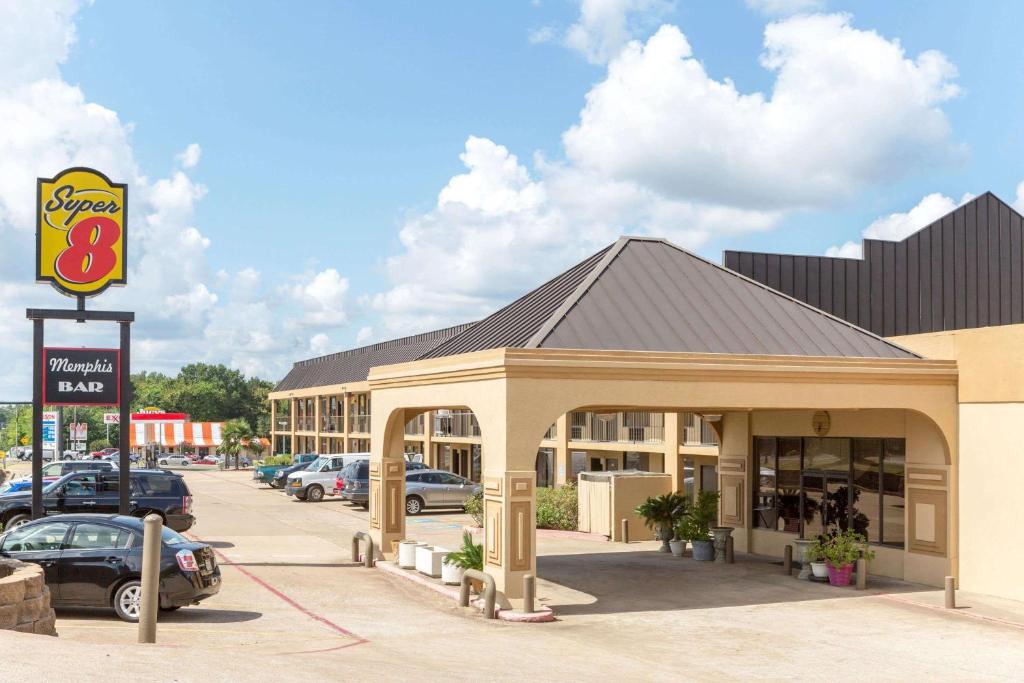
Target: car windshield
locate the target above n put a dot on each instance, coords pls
(319, 464)
(52, 486)
(172, 537)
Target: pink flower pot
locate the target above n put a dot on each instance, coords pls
(840, 576)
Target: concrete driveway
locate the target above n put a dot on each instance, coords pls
(294, 604)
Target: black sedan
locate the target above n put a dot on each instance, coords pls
(280, 479)
(96, 561)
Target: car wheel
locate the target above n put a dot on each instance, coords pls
(16, 521)
(315, 493)
(413, 505)
(128, 600)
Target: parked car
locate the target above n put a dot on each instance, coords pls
(92, 560)
(173, 460)
(353, 482)
(15, 485)
(103, 452)
(280, 479)
(312, 483)
(267, 473)
(55, 470)
(437, 489)
(157, 491)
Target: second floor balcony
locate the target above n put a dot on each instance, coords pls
(332, 423)
(456, 423)
(619, 427)
(359, 423)
(305, 423)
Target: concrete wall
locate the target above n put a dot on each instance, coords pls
(25, 599)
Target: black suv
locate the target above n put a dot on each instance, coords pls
(164, 493)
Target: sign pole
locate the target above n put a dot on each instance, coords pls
(124, 425)
(37, 418)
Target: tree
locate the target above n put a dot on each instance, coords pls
(236, 433)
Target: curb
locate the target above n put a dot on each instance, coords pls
(553, 533)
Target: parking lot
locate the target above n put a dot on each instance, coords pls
(293, 601)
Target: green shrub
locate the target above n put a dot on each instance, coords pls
(469, 556)
(279, 460)
(475, 508)
(557, 508)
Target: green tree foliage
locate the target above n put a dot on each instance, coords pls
(208, 393)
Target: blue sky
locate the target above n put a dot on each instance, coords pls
(330, 204)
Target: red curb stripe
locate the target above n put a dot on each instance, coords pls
(309, 613)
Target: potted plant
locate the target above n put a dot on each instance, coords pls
(841, 550)
(702, 515)
(685, 532)
(455, 564)
(661, 514)
(815, 555)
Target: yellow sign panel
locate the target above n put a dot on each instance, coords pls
(81, 227)
(24, 441)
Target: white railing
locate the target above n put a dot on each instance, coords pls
(635, 426)
(359, 424)
(697, 431)
(456, 423)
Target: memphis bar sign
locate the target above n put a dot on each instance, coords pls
(79, 377)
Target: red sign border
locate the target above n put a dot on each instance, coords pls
(117, 353)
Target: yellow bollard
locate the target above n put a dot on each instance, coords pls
(152, 530)
(950, 592)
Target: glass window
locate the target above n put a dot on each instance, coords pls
(475, 463)
(765, 503)
(110, 485)
(688, 473)
(451, 479)
(638, 461)
(414, 478)
(545, 467)
(867, 459)
(81, 486)
(430, 478)
(894, 464)
(787, 477)
(97, 536)
(29, 538)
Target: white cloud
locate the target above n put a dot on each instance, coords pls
(190, 156)
(320, 296)
(848, 109)
(544, 34)
(784, 7)
(897, 226)
(364, 336)
(1018, 202)
(604, 26)
(319, 344)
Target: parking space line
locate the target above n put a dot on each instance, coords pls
(359, 640)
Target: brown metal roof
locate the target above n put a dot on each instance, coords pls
(645, 294)
(354, 365)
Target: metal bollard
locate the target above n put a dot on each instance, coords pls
(488, 592)
(625, 530)
(729, 552)
(150, 596)
(368, 557)
(950, 592)
(862, 573)
(529, 592)
(787, 560)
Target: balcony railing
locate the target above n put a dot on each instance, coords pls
(332, 423)
(414, 427)
(621, 427)
(456, 423)
(552, 432)
(697, 431)
(305, 423)
(359, 424)
(283, 424)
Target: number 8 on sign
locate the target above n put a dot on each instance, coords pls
(90, 254)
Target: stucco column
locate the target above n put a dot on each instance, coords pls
(317, 427)
(673, 438)
(344, 421)
(291, 425)
(428, 438)
(273, 427)
(735, 465)
(562, 465)
(387, 483)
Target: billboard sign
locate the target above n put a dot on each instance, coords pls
(79, 431)
(81, 377)
(81, 237)
(111, 418)
(50, 431)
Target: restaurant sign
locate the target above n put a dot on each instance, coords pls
(81, 377)
(81, 232)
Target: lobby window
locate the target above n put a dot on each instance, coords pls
(835, 483)
(546, 467)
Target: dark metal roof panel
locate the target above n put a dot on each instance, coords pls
(654, 296)
(354, 365)
(515, 324)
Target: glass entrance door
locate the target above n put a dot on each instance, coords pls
(825, 503)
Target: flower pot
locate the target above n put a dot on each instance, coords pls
(800, 546)
(839, 576)
(664, 534)
(407, 554)
(721, 534)
(451, 575)
(678, 547)
(703, 550)
(819, 569)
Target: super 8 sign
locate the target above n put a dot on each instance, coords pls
(81, 237)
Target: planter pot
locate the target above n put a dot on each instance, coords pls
(664, 534)
(721, 534)
(703, 550)
(677, 547)
(407, 554)
(800, 545)
(839, 576)
(819, 569)
(451, 575)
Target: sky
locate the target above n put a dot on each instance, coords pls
(308, 177)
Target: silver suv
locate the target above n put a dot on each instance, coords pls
(436, 489)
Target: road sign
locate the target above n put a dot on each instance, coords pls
(111, 418)
(24, 441)
(81, 377)
(81, 237)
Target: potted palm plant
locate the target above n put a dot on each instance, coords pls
(841, 550)
(702, 515)
(455, 564)
(661, 514)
